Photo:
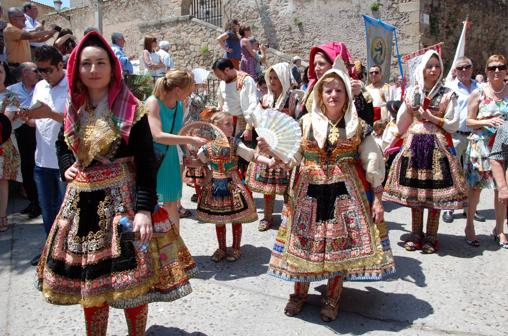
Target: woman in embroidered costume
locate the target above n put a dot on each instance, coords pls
(487, 110)
(425, 173)
(224, 199)
(10, 164)
(106, 155)
(331, 230)
(260, 178)
(165, 115)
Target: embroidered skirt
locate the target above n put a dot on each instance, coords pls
(88, 260)
(224, 199)
(425, 173)
(10, 162)
(268, 181)
(327, 231)
(194, 176)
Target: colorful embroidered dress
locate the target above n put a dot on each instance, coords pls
(327, 228)
(260, 178)
(89, 258)
(476, 161)
(426, 173)
(10, 161)
(224, 199)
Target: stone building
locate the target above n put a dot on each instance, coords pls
(291, 27)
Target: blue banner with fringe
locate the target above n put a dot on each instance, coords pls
(379, 36)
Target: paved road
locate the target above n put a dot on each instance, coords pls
(458, 291)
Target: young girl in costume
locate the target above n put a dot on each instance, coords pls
(224, 199)
(260, 178)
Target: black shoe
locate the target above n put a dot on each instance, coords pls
(34, 213)
(448, 216)
(478, 217)
(35, 260)
(27, 210)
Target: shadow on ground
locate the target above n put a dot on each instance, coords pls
(362, 311)
(254, 262)
(30, 235)
(157, 330)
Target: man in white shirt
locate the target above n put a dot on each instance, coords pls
(51, 94)
(236, 95)
(31, 23)
(25, 136)
(164, 55)
(379, 91)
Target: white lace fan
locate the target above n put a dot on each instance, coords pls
(280, 131)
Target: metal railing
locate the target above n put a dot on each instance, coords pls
(207, 10)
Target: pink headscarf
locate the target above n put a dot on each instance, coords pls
(121, 101)
(332, 50)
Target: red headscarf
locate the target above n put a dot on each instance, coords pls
(121, 101)
(331, 50)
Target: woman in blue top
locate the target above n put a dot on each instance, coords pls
(165, 115)
(230, 42)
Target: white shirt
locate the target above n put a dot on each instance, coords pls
(165, 58)
(30, 25)
(24, 94)
(238, 103)
(46, 130)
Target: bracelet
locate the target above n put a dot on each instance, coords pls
(377, 190)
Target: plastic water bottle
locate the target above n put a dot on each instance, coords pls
(127, 226)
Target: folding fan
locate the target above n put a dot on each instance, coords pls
(279, 130)
(203, 130)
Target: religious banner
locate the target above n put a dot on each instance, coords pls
(414, 59)
(380, 37)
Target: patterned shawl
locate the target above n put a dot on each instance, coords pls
(122, 103)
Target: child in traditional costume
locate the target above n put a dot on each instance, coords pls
(224, 198)
(260, 178)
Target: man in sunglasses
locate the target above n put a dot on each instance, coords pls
(379, 91)
(463, 85)
(46, 114)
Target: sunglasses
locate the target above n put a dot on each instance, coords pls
(464, 67)
(48, 71)
(497, 67)
(374, 72)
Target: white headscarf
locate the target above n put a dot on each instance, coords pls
(420, 71)
(283, 73)
(319, 119)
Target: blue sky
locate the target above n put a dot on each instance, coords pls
(50, 2)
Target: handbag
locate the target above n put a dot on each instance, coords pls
(160, 155)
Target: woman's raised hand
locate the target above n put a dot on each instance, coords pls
(263, 145)
(143, 224)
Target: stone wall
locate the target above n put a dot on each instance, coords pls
(488, 33)
(294, 26)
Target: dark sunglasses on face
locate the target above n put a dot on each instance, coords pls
(500, 67)
(374, 72)
(44, 71)
(464, 67)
